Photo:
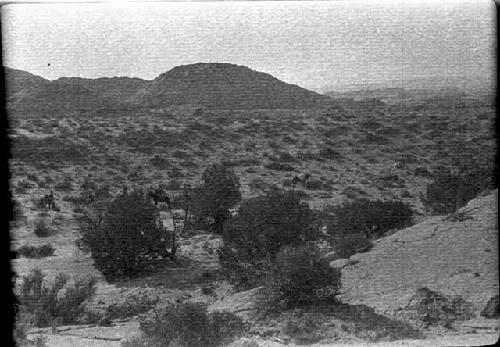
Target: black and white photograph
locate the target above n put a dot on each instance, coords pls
(252, 173)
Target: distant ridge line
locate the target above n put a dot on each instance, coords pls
(208, 85)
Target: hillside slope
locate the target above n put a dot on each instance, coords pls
(454, 256)
(209, 85)
(118, 89)
(18, 83)
(59, 96)
(225, 86)
(26, 91)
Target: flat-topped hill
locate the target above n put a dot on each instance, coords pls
(225, 86)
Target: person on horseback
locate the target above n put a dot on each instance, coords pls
(47, 201)
(159, 195)
(51, 201)
(302, 178)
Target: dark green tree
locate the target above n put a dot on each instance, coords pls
(262, 227)
(267, 223)
(127, 237)
(219, 192)
(451, 190)
(369, 218)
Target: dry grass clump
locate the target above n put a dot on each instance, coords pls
(299, 276)
(243, 162)
(160, 162)
(277, 166)
(257, 184)
(337, 131)
(315, 185)
(132, 306)
(331, 321)
(430, 308)
(187, 325)
(23, 186)
(371, 138)
(308, 156)
(66, 185)
(60, 303)
(42, 229)
(330, 154)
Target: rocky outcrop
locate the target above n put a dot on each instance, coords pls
(339, 263)
(456, 256)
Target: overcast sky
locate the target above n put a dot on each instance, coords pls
(318, 45)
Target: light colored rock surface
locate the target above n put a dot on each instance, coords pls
(339, 263)
(452, 257)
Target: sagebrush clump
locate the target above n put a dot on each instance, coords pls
(24, 322)
(35, 251)
(188, 325)
(60, 303)
(42, 229)
(300, 276)
(304, 329)
(346, 245)
(371, 218)
(277, 166)
(264, 225)
(449, 191)
(132, 306)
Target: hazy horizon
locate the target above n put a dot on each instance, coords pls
(318, 45)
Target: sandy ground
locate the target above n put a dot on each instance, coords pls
(90, 336)
(94, 337)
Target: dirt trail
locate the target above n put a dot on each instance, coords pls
(89, 336)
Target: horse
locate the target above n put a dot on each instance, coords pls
(158, 196)
(302, 178)
(88, 198)
(47, 201)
